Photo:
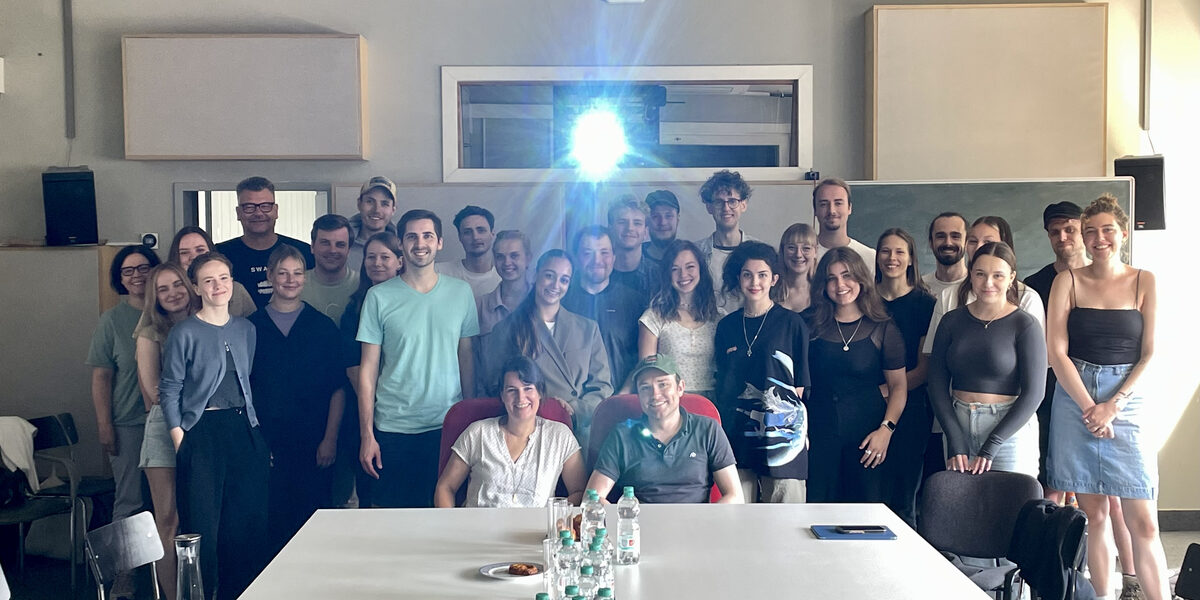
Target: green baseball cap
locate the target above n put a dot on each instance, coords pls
(657, 362)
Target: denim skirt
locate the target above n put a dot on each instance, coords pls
(1125, 466)
(1018, 454)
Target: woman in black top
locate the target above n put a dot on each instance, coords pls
(1101, 338)
(987, 372)
(898, 280)
(298, 381)
(761, 355)
(382, 260)
(855, 349)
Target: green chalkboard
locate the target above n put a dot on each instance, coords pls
(912, 205)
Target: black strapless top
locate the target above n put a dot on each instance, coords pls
(1105, 336)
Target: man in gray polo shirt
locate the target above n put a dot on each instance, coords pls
(668, 455)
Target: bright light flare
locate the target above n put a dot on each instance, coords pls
(597, 143)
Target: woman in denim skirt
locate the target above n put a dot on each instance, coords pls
(1101, 336)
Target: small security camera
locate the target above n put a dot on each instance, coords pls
(150, 240)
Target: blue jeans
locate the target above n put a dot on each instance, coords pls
(1018, 454)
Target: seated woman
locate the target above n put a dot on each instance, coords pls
(566, 347)
(682, 318)
(516, 459)
(987, 372)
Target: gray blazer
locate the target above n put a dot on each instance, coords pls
(572, 359)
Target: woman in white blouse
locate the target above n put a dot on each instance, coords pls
(682, 319)
(516, 459)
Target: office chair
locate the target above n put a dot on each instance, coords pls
(975, 516)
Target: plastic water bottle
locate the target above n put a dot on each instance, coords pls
(593, 517)
(606, 544)
(601, 562)
(587, 582)
(567, 564)
(570, 592)
(542, 596)
(629, 532)
(605, 593)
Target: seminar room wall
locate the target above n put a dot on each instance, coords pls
(407, 42)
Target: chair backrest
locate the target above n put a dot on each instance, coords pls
(627, 406)
(122, 545)
(469, 410)
(974, 515)
(54, 431)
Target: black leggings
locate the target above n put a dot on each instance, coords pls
(221, 473)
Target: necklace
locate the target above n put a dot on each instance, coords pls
(746, 334)
(846, 342)
(998, 315)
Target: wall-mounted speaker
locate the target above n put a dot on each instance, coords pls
(69, 196)
(1147, 174)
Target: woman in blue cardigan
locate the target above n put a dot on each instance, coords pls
(221, 457)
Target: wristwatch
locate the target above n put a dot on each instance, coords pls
(890, 425)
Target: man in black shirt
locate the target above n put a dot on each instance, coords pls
(627, 223)
(257, 212)
(615, 307)
(1062, 224)
(663, 224)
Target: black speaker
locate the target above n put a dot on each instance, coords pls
(69, 195)
(1147, 174)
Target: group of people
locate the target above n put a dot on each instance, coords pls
(259, 379)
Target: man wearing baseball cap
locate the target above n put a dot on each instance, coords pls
(1063, 227)
(376, 206)
(668, 455)
(663, 225)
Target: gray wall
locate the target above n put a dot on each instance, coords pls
(407, 42)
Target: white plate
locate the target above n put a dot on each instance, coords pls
(500, 571)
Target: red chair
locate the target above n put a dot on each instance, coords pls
(627, 406)
(470, 410)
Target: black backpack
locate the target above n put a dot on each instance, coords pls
(1049, 544)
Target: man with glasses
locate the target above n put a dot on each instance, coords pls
(725, 197)
(257, 213)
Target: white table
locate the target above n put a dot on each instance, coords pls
(688, 552)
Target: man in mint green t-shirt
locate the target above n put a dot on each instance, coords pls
(416, 333)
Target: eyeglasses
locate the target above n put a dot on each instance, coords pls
(248, 209)
(730, 202)
(140, 269)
